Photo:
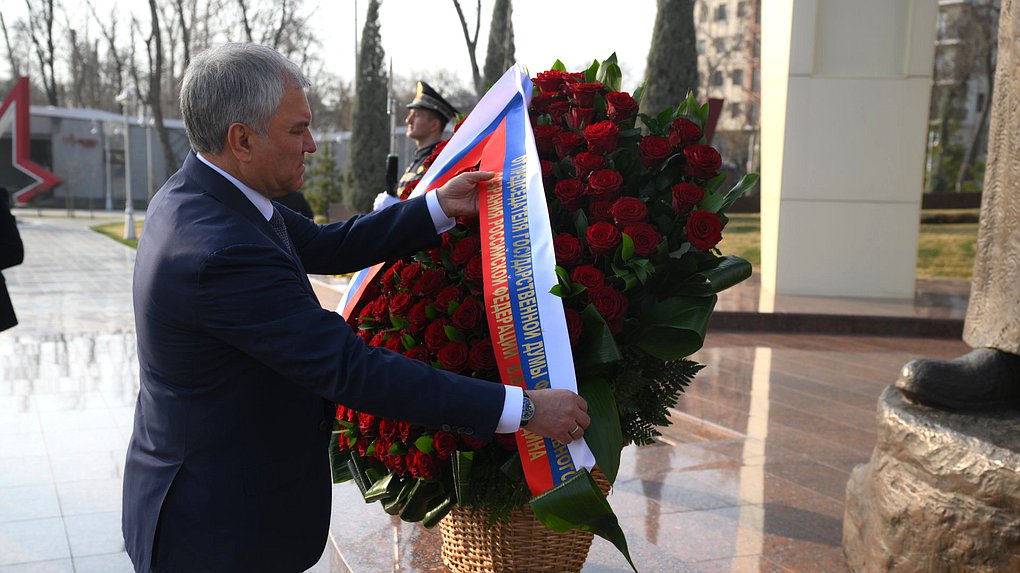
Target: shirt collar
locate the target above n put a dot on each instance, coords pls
(261, 202)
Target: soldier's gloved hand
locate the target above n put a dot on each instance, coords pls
(384, 200)
(459, 197)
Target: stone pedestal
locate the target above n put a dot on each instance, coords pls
(941, 492)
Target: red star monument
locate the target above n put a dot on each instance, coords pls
(14, 116)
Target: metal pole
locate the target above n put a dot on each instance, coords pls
(129, 209)
(148, 155)
(109, 176)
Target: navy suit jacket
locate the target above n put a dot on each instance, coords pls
(227, 468)
(12, 252)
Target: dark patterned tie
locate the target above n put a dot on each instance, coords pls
(276, 222)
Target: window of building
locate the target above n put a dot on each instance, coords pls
(737, 77)
(752, 113)
(735, 110)
(719, 44)
(703, 13)
(756, 80)
(741, 9)
(717, 78)
(980, 103)
(720, 13)
(701, 46)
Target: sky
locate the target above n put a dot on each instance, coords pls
(426, 34)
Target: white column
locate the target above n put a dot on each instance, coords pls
(845, 95)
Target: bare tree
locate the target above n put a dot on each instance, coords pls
(109, 33)
(155, 50)
(500, 54)
(40, 25)
(979, 25)
(245, 21)
(472, 42)
(14, 60)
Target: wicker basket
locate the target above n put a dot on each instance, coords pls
(520, 544)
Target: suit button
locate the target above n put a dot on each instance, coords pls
(469, 431)
(445, 427)
(324, 425)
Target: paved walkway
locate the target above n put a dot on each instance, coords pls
(750, 478)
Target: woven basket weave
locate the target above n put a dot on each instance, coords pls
(520, 544)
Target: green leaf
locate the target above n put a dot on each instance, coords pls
(437, 513)
(563, 276)
(399, 322)
(626, 247)
(711, 202)
(407, 341)
(359, 472)
(613, 77)
(724, 272)
(638, 94)
(557, 290)
(596, 346)
(393, 506)
(650, 122)
(604, 435)
(417, 503)
(713, 184)
(640, 270)
(397, 449)
(424, 443)
(581, 223)
(558, 66)
(431, 313)
(386, 488)
(746, 183)
(341, 472)
(454, 334)
(675, 328)
(591, 72)
(513, 469)
(462, 462)
(577, 289)
(599, 105)
(578, 504)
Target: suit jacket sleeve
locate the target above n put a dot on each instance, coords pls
(251, 298)
(12, 251)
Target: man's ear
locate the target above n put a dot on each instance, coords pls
(239, 142)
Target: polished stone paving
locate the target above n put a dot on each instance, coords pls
(750, 477)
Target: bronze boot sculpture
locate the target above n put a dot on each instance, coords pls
(983, 379)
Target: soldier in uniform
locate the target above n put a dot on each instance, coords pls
(429, 113)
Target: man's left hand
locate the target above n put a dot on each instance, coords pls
(459, 197)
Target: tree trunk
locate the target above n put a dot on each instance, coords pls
(472, 43)
(155, 89)
(672, 57)
(500, 53)
(969, 158)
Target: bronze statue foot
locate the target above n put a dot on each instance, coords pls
(983, 379)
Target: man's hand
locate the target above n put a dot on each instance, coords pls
(459, 197)
(559, 414)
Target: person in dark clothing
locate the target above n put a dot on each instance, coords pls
(12, 252)
(296, 202)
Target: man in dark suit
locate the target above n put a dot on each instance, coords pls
(12, 252)
(227, 467)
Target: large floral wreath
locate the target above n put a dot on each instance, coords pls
(637, 212)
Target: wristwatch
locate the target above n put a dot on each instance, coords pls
(527, 410)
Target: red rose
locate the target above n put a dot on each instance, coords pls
(380, 309)
(610, 303)
(574, 325)
(558, 109)
(544, 135)
(600, 211)
(418, 316)
(588, 276)
(473, 271)
(703, 161)
(365, 336)
(541, 101)
(422, 465)
(469, 315)
(507, 441)
(368, 424)
(646, 238)
(446, 296)
(550, 81)
(615, 326)
(620, 106)
(389, 430)
(429, 283)
(481, 358)
(683, 132)
(473, 442)
(603, 238)
(602, 136)
(584, 92)
(341, 412)
(580, 117)
(466, 248)
(394, 342)
(362, 445)
(568, 143)
(388, 280)
(686, 196)
(435, 153)
(569, 193)
(445, 444)
(654, 150)
(382, 450)
(378, 340)
(453, 356)
(419, 353)
(435, 334)
(398, 464)
(629, 210)
(407, 431)
(400, 303)
(704, 229)
(604, 184)
(586, 162)
(366, 313)
(408, 189)
(548, 173)
(410, 272)
(567, 248)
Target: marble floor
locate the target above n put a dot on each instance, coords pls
(750, 477)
